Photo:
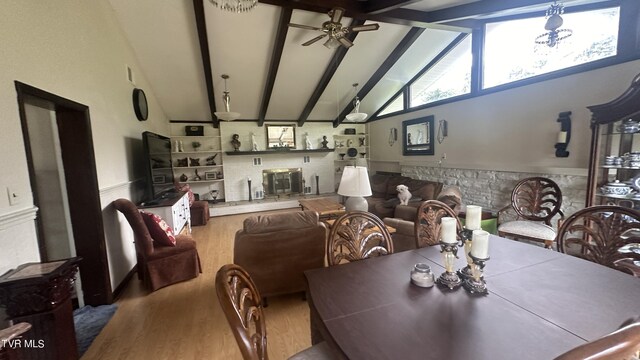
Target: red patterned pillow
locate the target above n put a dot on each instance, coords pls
(160, 231)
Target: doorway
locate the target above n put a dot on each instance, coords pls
(59, 149)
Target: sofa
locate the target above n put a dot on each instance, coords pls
(384, 198)
(276, 249)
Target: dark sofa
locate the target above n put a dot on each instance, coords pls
(384, 197)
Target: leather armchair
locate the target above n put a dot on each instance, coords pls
(276, 249)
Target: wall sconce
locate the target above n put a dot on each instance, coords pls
(564, 136)
(442, 130)
(393, 136)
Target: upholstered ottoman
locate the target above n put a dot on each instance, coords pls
(199, 213)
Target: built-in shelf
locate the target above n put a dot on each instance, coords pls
(278, 152)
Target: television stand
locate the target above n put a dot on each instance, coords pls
(174, 210)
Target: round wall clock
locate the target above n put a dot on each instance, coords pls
(140, 104)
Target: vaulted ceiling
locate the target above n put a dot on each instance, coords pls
(184, 46)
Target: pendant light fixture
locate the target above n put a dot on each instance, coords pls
(227, 114)
(356, 115)
(554, 34)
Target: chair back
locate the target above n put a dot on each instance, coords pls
(427, 224)
(143, 240)
(240, 302)
(604, 234)
(620, 344)
(356, 236)
(536, 199)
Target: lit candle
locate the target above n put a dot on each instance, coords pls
(480, 244)
(473, 217)
(562, 137)
(448, 230)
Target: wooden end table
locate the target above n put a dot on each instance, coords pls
(326, 208)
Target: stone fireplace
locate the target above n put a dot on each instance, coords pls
(282, 181)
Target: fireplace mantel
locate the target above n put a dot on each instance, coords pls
(278, 152)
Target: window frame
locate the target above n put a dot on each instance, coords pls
(628, 49)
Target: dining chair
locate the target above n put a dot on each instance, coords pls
(605, 234)
(357, 235)
(535, 200)
(240, 302)
(620, 344)
(427, 224)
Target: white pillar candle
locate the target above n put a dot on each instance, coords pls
(473, 217)
(480, 244)
(562, 137)
(448, 230)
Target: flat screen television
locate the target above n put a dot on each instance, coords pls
(157, 150)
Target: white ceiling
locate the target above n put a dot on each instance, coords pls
(164, 37)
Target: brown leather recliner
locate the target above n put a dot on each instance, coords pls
(276, 249)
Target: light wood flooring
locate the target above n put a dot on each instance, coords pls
(185, 321)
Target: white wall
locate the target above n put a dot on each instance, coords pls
(513, 130)
(76, 50)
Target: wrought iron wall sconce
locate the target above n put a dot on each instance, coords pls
(442, 130)
(393, 136)
(564, 136)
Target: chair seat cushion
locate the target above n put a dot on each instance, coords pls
(529, 229)
(319, 351)
(183, 243)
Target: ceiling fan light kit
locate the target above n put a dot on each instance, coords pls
(334, 31)
(237, 6)
(227, 114)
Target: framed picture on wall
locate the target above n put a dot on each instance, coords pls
(281, 136)
(417, 136)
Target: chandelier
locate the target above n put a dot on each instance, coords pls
(553, 24)
(227, 114)
(237, 6)
(356, 115)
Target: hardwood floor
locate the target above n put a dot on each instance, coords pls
(185, 321)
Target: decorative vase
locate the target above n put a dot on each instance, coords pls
(183, 178)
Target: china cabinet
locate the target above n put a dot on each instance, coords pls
(614, 165)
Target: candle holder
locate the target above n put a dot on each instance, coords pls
(466, 235)
(449, 278)
(249, 183)
(317, 184)
(476, 284)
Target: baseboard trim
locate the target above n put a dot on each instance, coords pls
(124, 283)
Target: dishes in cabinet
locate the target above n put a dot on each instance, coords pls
(352, 152)
(635, 183)
(616, 188)
(629, 127)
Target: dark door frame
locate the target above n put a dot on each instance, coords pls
(79, 164)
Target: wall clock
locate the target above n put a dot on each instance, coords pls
(140, 104)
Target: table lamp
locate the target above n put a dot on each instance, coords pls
(355, 185)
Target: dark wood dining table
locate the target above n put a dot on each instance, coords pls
(541, 303)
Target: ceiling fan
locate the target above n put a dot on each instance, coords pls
(334, 30)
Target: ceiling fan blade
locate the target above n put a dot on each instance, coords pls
(314, 40)
(336, 14)
(306, 27)
(367, 27)
(345, 42)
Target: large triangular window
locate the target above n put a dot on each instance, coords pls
(396, 105)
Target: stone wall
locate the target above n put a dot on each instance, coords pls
(492, 189)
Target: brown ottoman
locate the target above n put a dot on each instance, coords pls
(199, 213)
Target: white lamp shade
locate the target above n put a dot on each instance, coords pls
(226, 116)
(356, 117)
(354, 182)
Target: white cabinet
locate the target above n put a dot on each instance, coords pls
(174, 211)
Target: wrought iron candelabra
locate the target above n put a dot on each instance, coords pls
(449, 279)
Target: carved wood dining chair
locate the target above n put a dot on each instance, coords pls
(427, 224)
(605, 234)
(357, 235)
(620, 344)
(535, 200)
(241, 305)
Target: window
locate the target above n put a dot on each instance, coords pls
(510, 53)
(449, 77)
(396, 105)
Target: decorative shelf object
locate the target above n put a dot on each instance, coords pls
(260, 152)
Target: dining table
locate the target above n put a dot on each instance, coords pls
(540, 304)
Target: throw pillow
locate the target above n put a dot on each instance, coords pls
(159, 230)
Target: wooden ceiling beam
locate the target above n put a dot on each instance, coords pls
(337, 58)
(203, 40)
(276, 55)
(480, 8)
(402, 47)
